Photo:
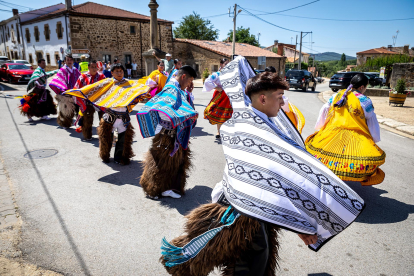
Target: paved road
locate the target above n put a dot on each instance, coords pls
(83, 217)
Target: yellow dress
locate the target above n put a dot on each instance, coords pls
(344, 144)
(159, 78)
(296, 117)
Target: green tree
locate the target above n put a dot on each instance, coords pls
(243, 36)
(343, 60)
(193, 26)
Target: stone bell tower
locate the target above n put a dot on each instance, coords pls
(150, 60)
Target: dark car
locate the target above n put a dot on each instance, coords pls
(374, 78)
(300, 79)
(341, 80)
(15, 72)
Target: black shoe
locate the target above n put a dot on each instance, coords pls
(218, 136)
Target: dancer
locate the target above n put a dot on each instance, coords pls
(219, 110)
(270, 181)
(39, 102)
(347, 130)
(177, 65)
(87, 110)
(293, 113)
(116, 96)
(157, 79)
(170, 117)
(64, 80)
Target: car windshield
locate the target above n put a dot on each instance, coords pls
(18, 66)
(294, 74)
(338, 76)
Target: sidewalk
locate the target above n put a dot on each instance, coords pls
(399, 118)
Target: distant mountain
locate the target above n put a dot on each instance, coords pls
(327, 56)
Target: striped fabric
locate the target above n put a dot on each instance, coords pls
(40, 76)
(110, 93)
(64, 80)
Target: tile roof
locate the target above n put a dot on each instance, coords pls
(226, 48)
(91, 9)
(290, 59)
(381, 50)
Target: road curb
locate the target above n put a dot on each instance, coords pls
(386, 123)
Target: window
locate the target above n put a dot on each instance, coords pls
(18, 33)
(27, 35)
(106, 58)
(30, 58)
(36, 33)
(215, 68)
(39, 55)
(12, 33)
(59, 30)
(48, 59)
(57, 58)
(128, 58)
(47, 32)
(132, 29)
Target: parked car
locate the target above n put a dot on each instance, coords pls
(4, 59)
(320, 79)
(341, 80)
(15, 72)
(374, 78)
(300, 79)
(25, 62)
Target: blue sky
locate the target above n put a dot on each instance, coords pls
(335, 36)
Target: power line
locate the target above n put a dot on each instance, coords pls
(267, 13)
(14, 5)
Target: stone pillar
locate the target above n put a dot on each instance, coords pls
(150, 60)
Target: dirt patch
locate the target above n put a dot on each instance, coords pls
(404, 114)
(14, 268)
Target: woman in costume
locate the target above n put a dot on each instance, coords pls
(346, 136)
(116, 97)
(270, 182)
(157, 79)
(219, 110)
(39, 102)
(170, 118)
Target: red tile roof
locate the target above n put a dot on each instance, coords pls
(381, 50)
(91, 9)
(226, 48)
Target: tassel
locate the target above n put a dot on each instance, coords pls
(22, 101)
(342, 101)
(172, 254)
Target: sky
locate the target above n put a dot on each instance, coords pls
(347, 37)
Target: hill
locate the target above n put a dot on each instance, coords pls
(330, 56)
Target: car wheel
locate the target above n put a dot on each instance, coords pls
(314, 87)
(305, 88)
(334, 89)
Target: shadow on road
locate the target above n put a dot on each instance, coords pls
(193, 198)
(380, 209)
(129, 174)
(200, 105)
(198, 131)
(8, 87)
(320, 274)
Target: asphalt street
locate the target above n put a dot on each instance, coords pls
(84, 217)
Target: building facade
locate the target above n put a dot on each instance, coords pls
(363, 56)
(289, 51)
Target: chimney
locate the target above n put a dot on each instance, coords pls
(405, 51)
(276, 42)
(389, 47)
(68, 4)
(15, 12)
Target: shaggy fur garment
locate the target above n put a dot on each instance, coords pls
(37, 109)
(88, 122)
(105, 142)
(226, 247)
(163, 172)
(67, 110)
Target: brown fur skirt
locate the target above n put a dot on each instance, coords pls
(88, 122)
(67, 110)
(163, 172)
(226, 247)
(37, 109)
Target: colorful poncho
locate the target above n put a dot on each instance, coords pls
(110, 93)
(64, 80)
(176, 105)
(40, 76)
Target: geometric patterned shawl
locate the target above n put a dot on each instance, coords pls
(269, 174)
(39, 75)
(64, 80)
(110, 93)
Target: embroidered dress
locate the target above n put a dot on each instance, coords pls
(157, 79)
(269, 176)
(346, 140)
(219, 110)
(294, 114)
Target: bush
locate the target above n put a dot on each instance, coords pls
(400, 87)
(206, 73)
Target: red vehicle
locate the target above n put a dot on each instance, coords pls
(15, 72)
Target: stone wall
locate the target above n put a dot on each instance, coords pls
(200, 58)
(405, 71)
(114, 37)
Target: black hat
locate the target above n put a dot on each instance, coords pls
(188, 70)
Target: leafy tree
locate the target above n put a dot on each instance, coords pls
(243, 36)
(193, 26)
(343, 59)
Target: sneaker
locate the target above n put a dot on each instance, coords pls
(170, 193)
(30, 119)
(45, 118)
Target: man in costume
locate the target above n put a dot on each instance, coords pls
(38, 102)
(116, 96)
(64, 80)
(169, 117)
(270, 182)
(347, 130)
(86, 108)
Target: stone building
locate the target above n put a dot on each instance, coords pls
(402, 71)
(106, 32)
(203, 54)
(289, 51)
(363, 56)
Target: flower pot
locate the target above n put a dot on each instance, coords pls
(397, 99)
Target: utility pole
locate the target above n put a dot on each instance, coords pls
(234, 29)
(294, 58)
(258, 38)
(300, 51)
